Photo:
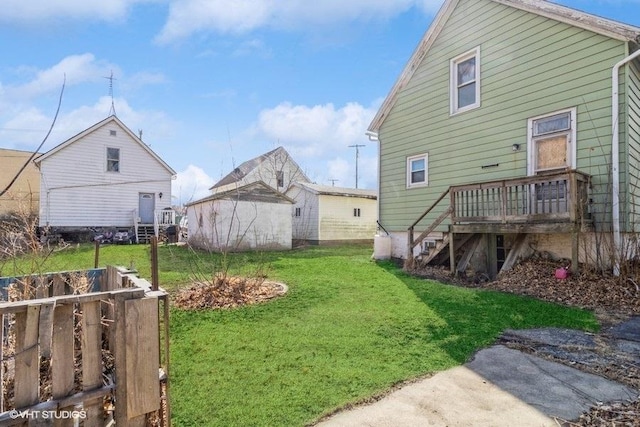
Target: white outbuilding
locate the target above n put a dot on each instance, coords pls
(325, 215)
(250, 217)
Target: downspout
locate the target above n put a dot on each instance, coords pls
(373, 136)
(615, 160)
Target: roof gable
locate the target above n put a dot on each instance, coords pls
(576, 18)
(95, 127)
(251, 165)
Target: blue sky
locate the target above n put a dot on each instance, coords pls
(212, 83)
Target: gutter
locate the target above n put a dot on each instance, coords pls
(615, 159)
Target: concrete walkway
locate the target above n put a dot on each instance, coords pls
(498, 387)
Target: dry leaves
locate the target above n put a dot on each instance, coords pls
(227, 292)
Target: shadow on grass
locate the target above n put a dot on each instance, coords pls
(473, 318)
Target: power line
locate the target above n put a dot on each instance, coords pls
(55, 117)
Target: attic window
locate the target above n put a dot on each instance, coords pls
(465, 81)
(112, 132)
(113, 160)
(280, 179)
(298, 212)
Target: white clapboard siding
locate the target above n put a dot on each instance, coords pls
(77, 191)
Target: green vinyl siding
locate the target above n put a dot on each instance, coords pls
(530, 66)
(633, 131)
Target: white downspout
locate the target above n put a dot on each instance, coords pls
(615, 160)
(373, 137)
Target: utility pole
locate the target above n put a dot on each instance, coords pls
(357, 147)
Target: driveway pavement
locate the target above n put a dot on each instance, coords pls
(502, 386)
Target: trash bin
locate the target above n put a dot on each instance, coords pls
(172, 234)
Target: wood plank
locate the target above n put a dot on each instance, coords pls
(468, 253)
(63, 358)
(27, 366)
(21, 306)
(59, 283)
(92, 361)
(143, 355)
(516, 251)
(45, 328)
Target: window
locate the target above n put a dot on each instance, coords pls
(112, 133)
(356, 212)
(551, 142)
(113, 159)
(298, 212)
(465, 81)
(280, 179)
(417, 168)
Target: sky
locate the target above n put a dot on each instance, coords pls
(212, 83)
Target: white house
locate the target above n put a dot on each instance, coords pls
(324, 214)
(252, 216)
(104, 177)
(275, 168)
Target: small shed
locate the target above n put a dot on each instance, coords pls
(324, 214)
(252, 216)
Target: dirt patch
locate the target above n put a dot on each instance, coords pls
(227, 292)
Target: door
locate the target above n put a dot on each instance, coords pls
(146, 207)
(551, 149)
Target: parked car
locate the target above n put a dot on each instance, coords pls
(124, 236)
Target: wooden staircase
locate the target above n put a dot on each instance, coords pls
(145, 232)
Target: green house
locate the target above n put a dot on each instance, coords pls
(514, 127)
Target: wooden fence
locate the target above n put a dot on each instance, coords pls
(83, 348)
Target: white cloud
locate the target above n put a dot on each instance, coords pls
(317, 130)
(73, 69)
(191, 184)
(37, 11)
(192, 16)
(319, 137)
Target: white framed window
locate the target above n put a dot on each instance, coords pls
(113, 159)
(356, 212)
(298, 212)
(417, 170)
(551, 142)
(465, 81)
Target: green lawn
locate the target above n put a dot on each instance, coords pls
(348, 329)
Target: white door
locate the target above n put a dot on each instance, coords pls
(146, 207)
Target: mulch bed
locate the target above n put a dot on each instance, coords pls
(227, 292)
(613, 299)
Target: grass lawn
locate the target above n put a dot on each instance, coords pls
(348, 329)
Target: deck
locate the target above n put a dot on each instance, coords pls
(552, 203)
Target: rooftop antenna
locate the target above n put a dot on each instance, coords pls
(357, 147)
(333, 182)
(140, 134)
(112, 111)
